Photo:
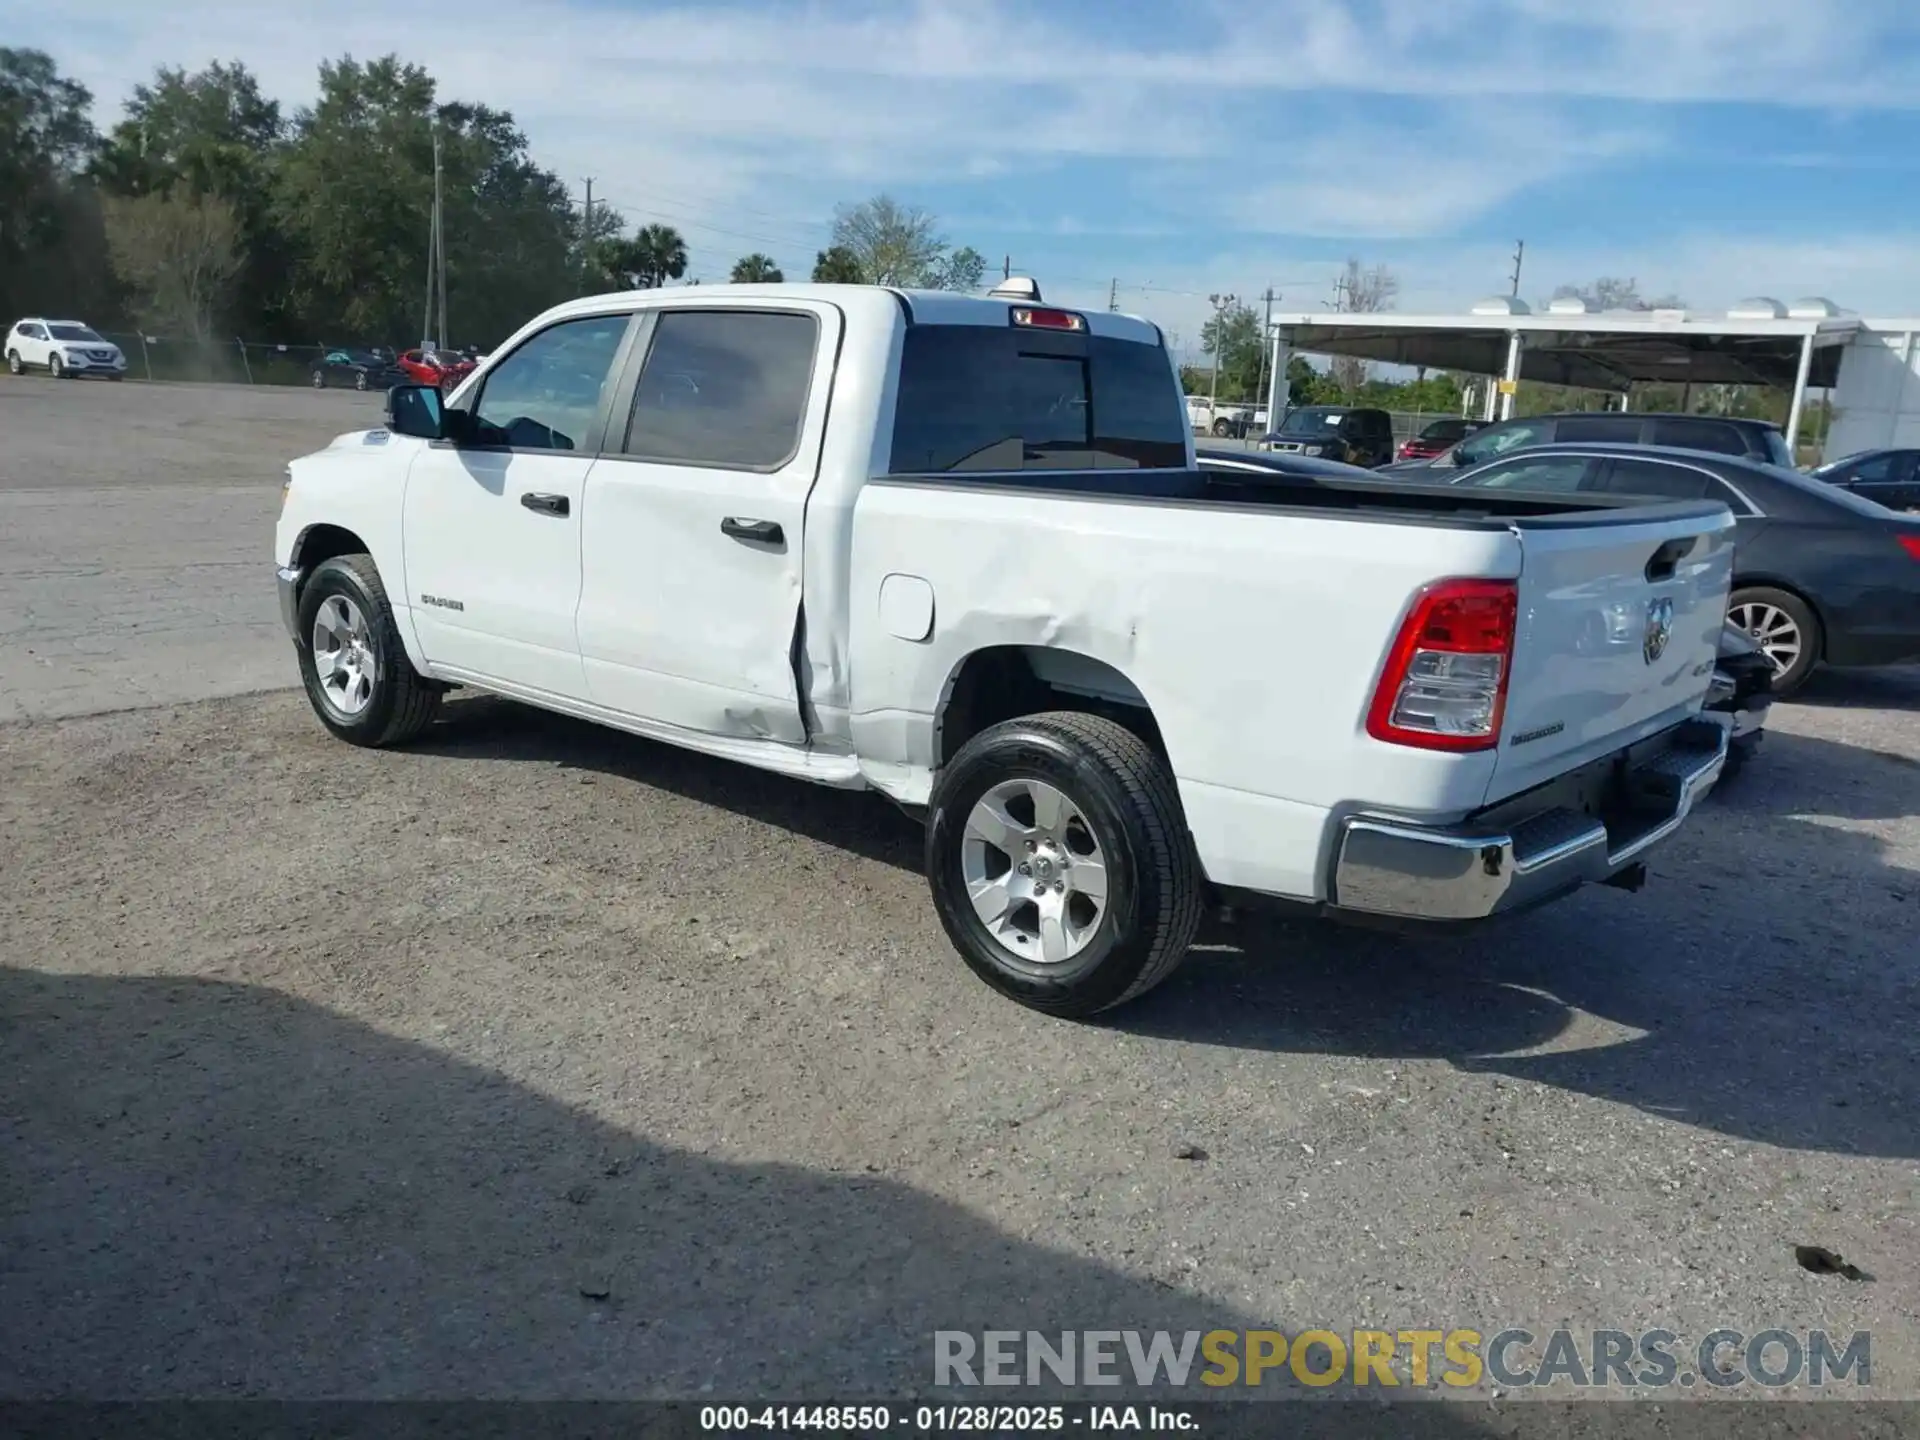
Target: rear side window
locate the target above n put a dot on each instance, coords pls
(1699, 435)
(983, 397)
(725, 388)
(1601, 429)
(1651, 478)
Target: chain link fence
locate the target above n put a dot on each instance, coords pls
(233, 362)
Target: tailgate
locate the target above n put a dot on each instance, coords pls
(1618, 628)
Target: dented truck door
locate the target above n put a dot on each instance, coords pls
(692, 533)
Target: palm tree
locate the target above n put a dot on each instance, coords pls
(756, 269)
(838, 266)
(656, 255)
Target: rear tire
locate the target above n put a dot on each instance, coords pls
(359, 379)
(319, 379)
(1785, 628)
(1222, 429)
(1112, 893)
(358, 678)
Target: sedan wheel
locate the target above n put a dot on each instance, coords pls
(359, 379)
(1785, 630)
(319, 379)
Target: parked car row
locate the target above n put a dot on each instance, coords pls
(380, 370)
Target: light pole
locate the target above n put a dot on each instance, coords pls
(1221, 304)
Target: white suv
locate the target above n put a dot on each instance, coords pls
(64, 348)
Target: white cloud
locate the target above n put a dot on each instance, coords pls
(743, 124)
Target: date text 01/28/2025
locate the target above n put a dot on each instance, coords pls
(944, 1419)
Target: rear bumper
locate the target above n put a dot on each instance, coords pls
(1391, 867)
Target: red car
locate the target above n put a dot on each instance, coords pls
(1438, 438)
(430, 367)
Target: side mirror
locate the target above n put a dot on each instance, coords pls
(417, 410)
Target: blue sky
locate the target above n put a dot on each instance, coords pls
(1712, 148)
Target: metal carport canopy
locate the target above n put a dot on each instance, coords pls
(1607, 351)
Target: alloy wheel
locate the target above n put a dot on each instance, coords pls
(1035, 872)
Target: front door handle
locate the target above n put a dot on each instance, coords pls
(767, 532)
(546, 504)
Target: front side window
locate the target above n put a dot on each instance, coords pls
(546, 395)
(1498, 441)
(1875, 470)
(1542, 472)
(724, 388)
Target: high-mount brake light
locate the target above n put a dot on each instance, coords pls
(1039, 319)
(1445, 682)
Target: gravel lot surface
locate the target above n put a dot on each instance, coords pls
(541, 1061)
(136, 537)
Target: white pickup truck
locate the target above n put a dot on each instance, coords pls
(957, 550)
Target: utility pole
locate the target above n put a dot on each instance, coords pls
(1113, 294)
(1266, 353)
(1006, 268)
(586, 237)
(439, 241)
(1221, 304)
(1519, 254)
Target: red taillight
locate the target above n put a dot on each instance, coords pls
(1910, 544)
(1445, 682)
(1048, 319)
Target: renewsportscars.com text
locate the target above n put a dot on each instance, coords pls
(1418, 1359)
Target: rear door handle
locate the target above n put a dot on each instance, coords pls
(546, 504)
(767, 532)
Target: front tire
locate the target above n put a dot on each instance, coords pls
(56, 367)
(1222, 429)
(1786, 629)
(1060, 863)
(319, 379)
(355, 668)
(359, 379)
(14, 367)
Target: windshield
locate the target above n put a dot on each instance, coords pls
(74, 332)
(1312, 422)
(1446, 430)
(1833, 465)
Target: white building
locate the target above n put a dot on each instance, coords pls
(1869, 367)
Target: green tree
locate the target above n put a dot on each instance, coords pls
(893, 244)
(655, 255)
(756, 269)
(962, 270)
(178, 256)
(211, 133)
(354, 194)
(838, 266)
(1232, 337)
(47, 221)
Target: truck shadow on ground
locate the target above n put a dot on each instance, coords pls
(1760, 987)
(259, 1197)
